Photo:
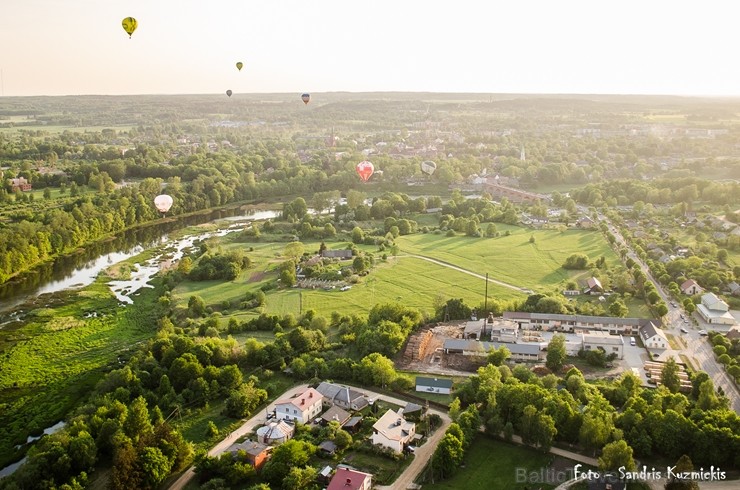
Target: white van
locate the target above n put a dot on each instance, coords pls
(632, 341)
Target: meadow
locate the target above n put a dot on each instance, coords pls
(514, 259)
(412, 281)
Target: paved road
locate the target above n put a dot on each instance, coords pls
(465, 271)
(693, 345)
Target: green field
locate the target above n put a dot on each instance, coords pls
(491, 465)
(410, 280)
(513, 259)
(54, 360)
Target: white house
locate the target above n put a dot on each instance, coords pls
(691, 287)
(393, 431)
(433, 385)
(301, 408)
(713, 310)
(653, 337)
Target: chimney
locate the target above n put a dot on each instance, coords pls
(398, 422)
(348, 483)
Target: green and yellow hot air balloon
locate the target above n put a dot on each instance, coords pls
(239, 65)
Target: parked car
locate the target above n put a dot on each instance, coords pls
(703, 333)
(683, 330)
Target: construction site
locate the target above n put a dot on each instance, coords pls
(425, 350)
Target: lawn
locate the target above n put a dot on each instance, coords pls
(514, 259)
(492, 465)
(385, 470)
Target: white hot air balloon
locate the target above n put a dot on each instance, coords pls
(163, 203)
(428, 167)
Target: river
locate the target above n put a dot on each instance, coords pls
(82, 267)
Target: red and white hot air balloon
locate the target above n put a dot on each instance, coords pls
(365, 169)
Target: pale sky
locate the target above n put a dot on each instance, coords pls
(70, 47)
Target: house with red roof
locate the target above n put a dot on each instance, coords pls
(346, 479)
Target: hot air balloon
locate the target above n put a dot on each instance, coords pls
(229, 92)
(306, 98)
(163, 203)
(239, 65)
(365, 169)
(428, 167)
(129, 25)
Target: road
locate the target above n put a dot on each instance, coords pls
(694, 346)
(422, 454)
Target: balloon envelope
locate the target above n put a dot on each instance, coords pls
(229, 92)
(306, 98)
(428, 167)
(163, 203)
(129, 25)
(239, 65)
(365, 169)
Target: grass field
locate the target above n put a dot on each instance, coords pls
(415, 282)
(491, 465)
(513, 259)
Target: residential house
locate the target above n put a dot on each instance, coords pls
(257, 452)
(347, 479)
(20, 184)
(691, 287)
(713, 310)
(593, 286)
(393, 431)
(653, 337)
(275, 432)
(585, 222)
(610, 344)
(434, 385)
(733, 288)
(336, 414)
(342, 396)
(302, 408)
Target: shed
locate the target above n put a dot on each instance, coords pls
(434, 385)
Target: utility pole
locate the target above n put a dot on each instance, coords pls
(485, 303)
